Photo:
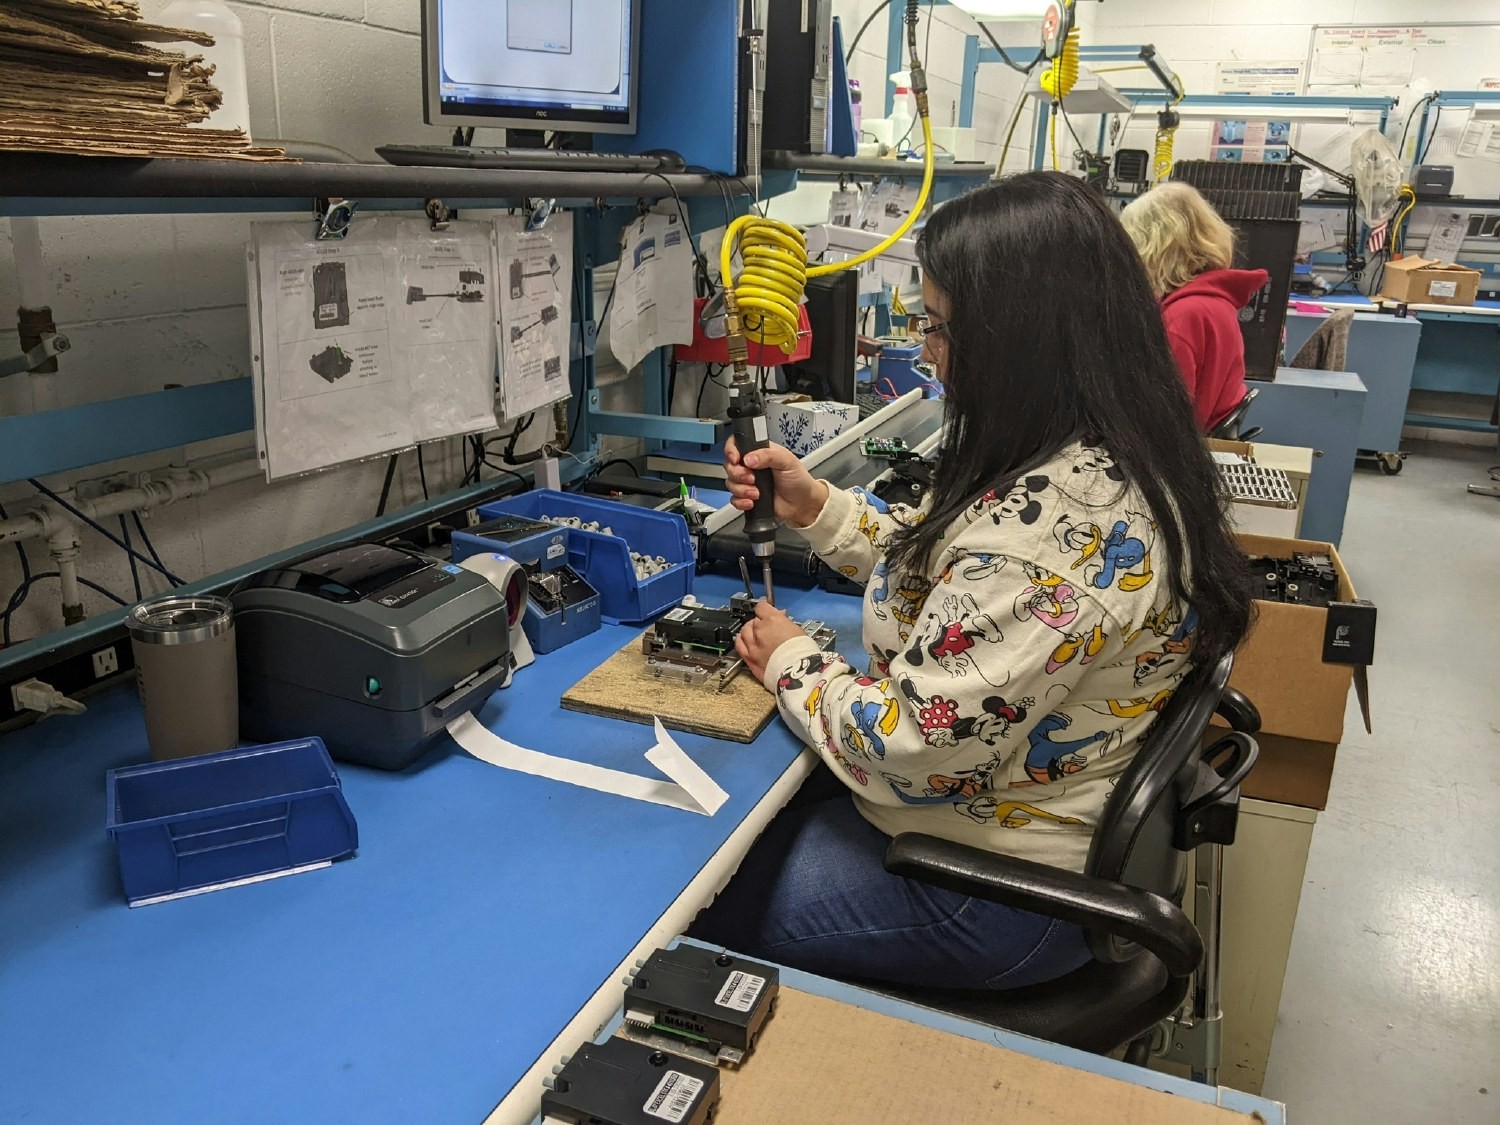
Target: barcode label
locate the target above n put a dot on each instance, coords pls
(740, 992)
(328, 312)
(674, 1096)
(1443, 289)
(680, 614)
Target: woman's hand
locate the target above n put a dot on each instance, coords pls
(759, 639)
(799, 496)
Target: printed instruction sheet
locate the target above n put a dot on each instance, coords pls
(353, 359)
(535, 312)
(653, 302)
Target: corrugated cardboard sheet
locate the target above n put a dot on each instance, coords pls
(81, 76)
(823, 1062)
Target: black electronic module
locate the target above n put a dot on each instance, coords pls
(701, 1004)
(619, 1082)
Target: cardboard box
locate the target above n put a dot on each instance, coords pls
(823, 1062)
(1301, 696)
(1422, 281)
(802, 425)
(1257, 517)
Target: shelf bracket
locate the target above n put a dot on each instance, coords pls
(50, 346)
(439, 213)
(334, 217)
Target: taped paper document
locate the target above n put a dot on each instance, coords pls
(690, 789)
(653, 303)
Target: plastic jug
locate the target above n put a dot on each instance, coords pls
(227, 55)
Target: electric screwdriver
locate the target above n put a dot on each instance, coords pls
(747, 411)
(763, 302)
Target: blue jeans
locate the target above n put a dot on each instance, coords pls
(813, 894)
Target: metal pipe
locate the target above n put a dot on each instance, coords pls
(31, 276)
(48, 519)
(65, 552)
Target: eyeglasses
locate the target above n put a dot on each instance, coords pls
(926, 328)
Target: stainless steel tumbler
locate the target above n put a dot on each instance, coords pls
(186, 674)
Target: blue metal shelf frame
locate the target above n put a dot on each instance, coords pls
(1452, 99)
(976, 56)
(1252, 106)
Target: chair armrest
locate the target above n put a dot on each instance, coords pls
(1236, 709)
(1156, 924)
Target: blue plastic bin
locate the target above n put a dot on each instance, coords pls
(194, 824)
(604, 560)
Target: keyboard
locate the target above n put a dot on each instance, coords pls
(526, 159)
(868, 403)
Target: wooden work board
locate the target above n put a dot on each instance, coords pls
(820, 1061)
(622, 688)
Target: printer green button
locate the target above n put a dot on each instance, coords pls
(373, 687)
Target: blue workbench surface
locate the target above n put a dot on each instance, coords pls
(414, 982)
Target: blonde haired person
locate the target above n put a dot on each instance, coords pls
(1188, 250)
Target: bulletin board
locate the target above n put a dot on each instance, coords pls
(1407, 61)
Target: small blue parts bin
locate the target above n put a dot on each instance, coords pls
(604, 560)
(197, 824)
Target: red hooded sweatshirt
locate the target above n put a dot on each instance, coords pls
(1203, 327)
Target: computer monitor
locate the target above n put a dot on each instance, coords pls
(832, 311)
(565, 65)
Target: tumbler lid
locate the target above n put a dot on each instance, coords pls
(177, 619)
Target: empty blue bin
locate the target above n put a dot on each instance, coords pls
(194, 824)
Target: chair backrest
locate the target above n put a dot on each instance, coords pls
(1133, 841)
(1229, 426)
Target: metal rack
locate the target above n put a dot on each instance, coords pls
(76, 437)
(1252, 106)
(44, 185)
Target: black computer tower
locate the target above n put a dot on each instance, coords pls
(799, 74)
(833, 312)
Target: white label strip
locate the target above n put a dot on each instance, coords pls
(690, 789)
(673, 1096)
(740, 992)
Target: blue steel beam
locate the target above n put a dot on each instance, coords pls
(1468, 97)
(54, 441)
(651, 426)
(1261, 101)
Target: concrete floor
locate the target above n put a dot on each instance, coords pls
(1391, 1010)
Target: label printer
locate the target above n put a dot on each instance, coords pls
(373, 649)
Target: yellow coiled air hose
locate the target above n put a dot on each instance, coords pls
(1062, 75)
(1166, 135)
(767, 294)
(762, 304)
(1058, 82)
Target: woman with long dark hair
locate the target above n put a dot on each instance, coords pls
(1025, 626)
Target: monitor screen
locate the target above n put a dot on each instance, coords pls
(541, 64)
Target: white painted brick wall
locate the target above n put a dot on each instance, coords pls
(995, 91)
(1195, 35)
(152, 300)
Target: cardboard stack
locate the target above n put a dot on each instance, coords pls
(81, 76)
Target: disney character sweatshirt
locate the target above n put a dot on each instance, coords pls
(1203, 327)
(1010, 680)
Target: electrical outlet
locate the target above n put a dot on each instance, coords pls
(106, 662)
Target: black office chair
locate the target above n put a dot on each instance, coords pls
(1229, 427)
(1175, 797)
